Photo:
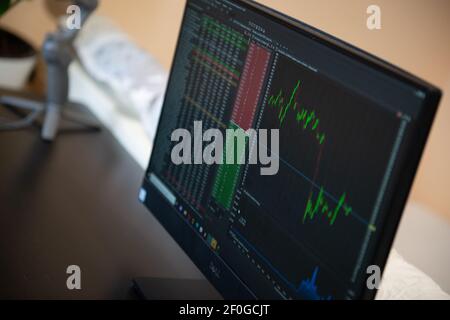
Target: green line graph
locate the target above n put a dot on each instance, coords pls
(320, 206)
(307, 119)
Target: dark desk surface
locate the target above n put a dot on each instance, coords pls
(75, 202)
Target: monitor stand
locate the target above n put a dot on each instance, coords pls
(175, 289)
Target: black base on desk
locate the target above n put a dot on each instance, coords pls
(174, 289)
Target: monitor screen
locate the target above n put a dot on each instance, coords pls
(283, 156)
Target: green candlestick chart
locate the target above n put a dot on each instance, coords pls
(317, 205)
(320, 206)
(307, 119)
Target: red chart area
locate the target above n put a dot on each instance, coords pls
(249, 92)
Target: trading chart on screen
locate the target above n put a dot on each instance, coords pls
(306, 231)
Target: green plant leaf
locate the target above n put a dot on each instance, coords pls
(4, 6)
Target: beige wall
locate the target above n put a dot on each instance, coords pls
(415, 36)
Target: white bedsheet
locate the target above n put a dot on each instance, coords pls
(401, 280)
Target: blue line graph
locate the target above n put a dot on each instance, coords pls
(307, 288)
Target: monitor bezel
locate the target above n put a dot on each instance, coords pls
(162, 210)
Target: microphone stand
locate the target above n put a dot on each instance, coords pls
(58, 52)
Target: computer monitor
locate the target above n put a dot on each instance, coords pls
(351, 131)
